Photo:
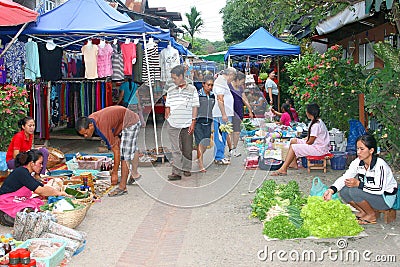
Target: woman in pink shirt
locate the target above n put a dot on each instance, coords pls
(286, 115)
(316, 143)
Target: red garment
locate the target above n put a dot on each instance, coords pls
(19, 142)
(128, 54)
(109, 100)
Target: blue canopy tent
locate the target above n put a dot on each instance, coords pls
(261, 42)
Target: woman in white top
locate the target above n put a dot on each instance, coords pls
(368, 184)
(272, 89)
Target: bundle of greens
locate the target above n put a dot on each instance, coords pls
(53, 205)
(326, 219)
(248, 125)
(226, 127)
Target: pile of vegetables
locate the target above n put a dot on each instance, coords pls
(287, 214)
(327, 219)
(248, 125)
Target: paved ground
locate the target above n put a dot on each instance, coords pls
(203, 220)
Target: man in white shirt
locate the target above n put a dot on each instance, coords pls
(222, 113)
(181, 106)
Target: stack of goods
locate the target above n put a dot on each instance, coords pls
(287, 214)
(41, 224)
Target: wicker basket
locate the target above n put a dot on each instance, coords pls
(85, 201)
(72, 218)
(55, 157)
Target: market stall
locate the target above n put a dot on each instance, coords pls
(65, 30)
(260, 44)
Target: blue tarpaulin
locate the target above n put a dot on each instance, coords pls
(261, 42)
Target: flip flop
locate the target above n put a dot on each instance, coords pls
(117, 192)
(132, 180)
(276, 173)
(365, 222)
(203, 170)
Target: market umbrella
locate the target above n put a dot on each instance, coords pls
(12, 14)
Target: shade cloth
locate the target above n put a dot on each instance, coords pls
(12, 14)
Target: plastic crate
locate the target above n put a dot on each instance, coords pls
(92, 164)
(338, 162)
(52, 261)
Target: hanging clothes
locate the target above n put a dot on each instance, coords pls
(138, 67)
(154, 65)
(3, 72)
(14, 58)
(50, 62)
(169, 58)
(90, 52)
(129, 55)
(117, 63)
(104, 64)
(32, 66)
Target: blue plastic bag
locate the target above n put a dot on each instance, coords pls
(356, 130)
(3, 162)
(318, 188)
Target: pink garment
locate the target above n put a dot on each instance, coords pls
(128, 54)
(104, 65)
(14, 202)
(285, 119)
(319, 147)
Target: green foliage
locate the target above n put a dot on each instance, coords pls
(13, 107)
(204, 47)
(195, 22)
(281, 227)
(332, 82)
(326, 219)
(242, 17)
(271, 194)
(382, 100)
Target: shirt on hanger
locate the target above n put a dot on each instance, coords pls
(117, 63)
(32, 66)
(90, 56)
(14, 57)
(153, 65)
(128, 53)
(169, 58)
(104, 65)
(50, 62)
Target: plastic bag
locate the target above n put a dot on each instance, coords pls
(356, 130)
(3, 163)
(396, 205)
(318, 188)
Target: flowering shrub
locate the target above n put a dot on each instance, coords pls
(332, 82)
(13, 107)
(382, 100)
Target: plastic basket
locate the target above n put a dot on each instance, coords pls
(52, 261)
(338, 162)
(93, 164)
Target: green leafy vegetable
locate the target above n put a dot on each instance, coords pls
(326, 219)
(281, 227)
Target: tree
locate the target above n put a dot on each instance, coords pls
(195, 22)
(242, 17)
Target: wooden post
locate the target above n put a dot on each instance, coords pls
(361, 110)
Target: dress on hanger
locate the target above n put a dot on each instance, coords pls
(90, 52)
(32, 66)
(14, 57)
(154, 65)
(50, 62)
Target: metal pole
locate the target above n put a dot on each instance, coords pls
(151, 91)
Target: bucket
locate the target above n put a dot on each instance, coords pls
(338, 162)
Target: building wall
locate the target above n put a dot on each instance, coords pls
(376, 34)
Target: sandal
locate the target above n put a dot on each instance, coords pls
(132, 180)
(365, 222)
(222, 161)
(117, 192)
(278, 173)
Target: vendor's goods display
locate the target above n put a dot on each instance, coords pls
(46, 252)
(287, 214)
(55, 157)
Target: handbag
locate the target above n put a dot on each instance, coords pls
(396, 205)
(318, 188)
